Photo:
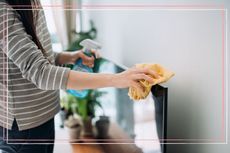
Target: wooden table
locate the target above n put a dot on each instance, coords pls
(87, 148)
(112, 145)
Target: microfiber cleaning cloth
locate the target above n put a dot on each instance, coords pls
(164, 75)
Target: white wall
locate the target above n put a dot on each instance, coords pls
(187, 42)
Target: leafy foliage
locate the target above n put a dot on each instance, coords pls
(85, 107)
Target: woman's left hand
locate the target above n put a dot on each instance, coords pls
(86, 60)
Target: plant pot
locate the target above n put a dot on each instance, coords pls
(74, 127)
(74, 133)
(102, 126)
(88, 128)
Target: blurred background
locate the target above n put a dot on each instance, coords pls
(188, 41)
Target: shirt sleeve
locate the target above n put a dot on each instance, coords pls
(24, 53)
(56, 56)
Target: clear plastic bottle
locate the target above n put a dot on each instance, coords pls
(87, 45)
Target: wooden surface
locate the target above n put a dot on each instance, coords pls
(87, 148)
(117, 142)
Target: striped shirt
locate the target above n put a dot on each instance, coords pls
(29, 83)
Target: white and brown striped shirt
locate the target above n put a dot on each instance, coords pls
(29, 83)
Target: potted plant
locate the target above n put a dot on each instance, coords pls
(83, 107)
(74, 125)
(86, 108)
(68, 104)
(102, 126)
(69, 116)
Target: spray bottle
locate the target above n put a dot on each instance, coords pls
(87, 45)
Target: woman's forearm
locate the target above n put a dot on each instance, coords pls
(81, 80)
(129, 78)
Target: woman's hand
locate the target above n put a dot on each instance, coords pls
(86, 60)
(132, 76)
(72, 57)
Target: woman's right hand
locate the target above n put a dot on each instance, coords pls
(132, 76)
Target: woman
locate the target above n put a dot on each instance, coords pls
(35, 76)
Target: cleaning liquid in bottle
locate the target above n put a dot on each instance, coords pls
(87, 45)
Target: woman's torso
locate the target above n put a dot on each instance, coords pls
(21, 99)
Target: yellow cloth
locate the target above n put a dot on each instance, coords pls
(164, 75)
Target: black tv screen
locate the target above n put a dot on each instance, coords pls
(145, 121)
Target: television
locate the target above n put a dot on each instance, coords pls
(122, 110)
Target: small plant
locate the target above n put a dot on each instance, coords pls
(68, 105)
(83, 107)
(73, 122)
(86, 106)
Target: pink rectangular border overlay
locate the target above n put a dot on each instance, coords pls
(151, 6)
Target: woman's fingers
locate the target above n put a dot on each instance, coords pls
(88, 64)
(137, 85)
(95, 52)
(144, 77)
(86, 60)
(89, 61)
(133, 76)
(148, 71)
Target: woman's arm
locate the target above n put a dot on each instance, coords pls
(128, 78)
(82, 80)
